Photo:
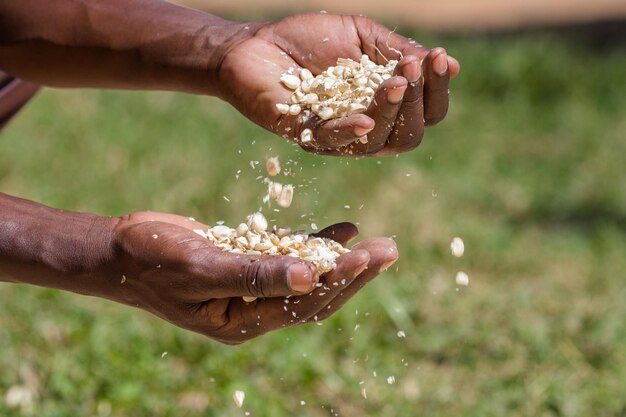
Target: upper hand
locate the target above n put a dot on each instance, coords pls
(403, 105)
(162, 266)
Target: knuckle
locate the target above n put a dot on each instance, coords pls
(255, 278)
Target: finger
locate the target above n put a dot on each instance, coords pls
(453, 67)
(409, 127)
(229, 274)
(341, 233)
(383, 253)
(383, 110)
(275, 312)
(323, 135)
(383, 44)
(436, 78)
(335, 133)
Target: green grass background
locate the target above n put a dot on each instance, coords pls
(529, 168)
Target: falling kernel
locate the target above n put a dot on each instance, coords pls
(272, 165)
(238, 398)
(462, 279)
(457, 247)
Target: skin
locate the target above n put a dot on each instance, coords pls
(154, 45)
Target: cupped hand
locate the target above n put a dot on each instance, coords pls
(161, 265)
(417, 96)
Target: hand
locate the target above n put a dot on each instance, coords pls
(162, 266)
(403, 105)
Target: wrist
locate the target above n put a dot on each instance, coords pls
(235, 34)
(187, 54)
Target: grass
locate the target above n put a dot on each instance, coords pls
(528, 168)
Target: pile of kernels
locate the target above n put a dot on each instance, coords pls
(338, 91)
(253, 238)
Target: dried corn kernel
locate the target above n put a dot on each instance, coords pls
(306, 135)
(462, 279)
(272, 165)
(457, 247)
(256, 222)
(291, 81)
(286, 196)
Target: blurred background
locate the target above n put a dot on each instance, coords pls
(528, 168)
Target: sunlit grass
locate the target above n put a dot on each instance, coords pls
(528, 168)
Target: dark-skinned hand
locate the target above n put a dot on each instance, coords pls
(161, 265)
(402, 107)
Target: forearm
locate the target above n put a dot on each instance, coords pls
(52, 248)
(138, 44)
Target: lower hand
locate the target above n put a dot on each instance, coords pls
(161, 265)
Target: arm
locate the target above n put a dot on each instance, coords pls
(154, 261)
(151, 44)
(52, 248)
(138, 44)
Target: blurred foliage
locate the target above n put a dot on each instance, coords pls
(528, 168)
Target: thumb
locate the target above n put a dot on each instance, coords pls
(237, 275)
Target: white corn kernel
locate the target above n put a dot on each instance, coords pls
(305, 86)
(306, 136)
(310, 98)
(356, 107)
(325, 113)
(290, 81)
(462, 279)
(286, 196)
(457, 247)
(242, 229)
(376, 78)
(305, 74)
(238, 398)
(295, 109)
(274, 189)
(272, 165)
(282, 108)
(257, 222)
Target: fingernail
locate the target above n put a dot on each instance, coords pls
(362, 131)
(299, 277)
(360, 269)
(387, 264)
(394, 96)
(440, 65)
(411, 72)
